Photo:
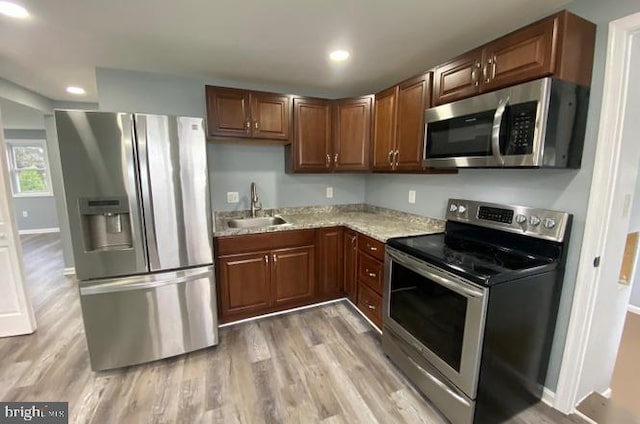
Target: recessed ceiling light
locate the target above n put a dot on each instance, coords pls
(76, 90)
(13, 10)
(339, 55)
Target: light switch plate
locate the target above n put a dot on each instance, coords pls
(233, 197)
(412, 196)
(329, 192)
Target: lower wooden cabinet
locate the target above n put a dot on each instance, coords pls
(350, 264)
(244, 283)
(269, 272)
(330, 257)
(370, 303)
(293, 275)
(280, 274)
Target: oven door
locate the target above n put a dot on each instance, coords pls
(441, 315)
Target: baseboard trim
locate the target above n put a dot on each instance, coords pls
(69, 271)
(607, 393)
(584, 417)
(39, 231)
(548, 397)
(634, 309)
(286, 311)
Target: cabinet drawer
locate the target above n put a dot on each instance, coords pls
(264, 241)
(370, 303)
(370, 272)
(371, 247)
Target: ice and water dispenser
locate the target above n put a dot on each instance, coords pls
(106, 223)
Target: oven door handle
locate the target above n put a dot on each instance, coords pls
(457, 285)
(495, 130)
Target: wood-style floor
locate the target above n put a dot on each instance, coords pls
(317, 365)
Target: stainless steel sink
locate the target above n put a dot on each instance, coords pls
(266, 221)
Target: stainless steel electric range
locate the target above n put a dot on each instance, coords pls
(469, 314)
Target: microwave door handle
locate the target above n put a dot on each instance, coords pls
(495, 130)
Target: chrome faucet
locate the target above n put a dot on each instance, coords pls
(255, 204)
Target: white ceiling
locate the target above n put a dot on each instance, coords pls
(279, 42)
(18, 117)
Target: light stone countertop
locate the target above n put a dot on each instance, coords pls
(375, 222)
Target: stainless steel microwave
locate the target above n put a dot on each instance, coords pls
(538, 124)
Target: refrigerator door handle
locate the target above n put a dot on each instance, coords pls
(143, 282)
(145, 192)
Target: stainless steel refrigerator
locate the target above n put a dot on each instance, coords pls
(137, 195)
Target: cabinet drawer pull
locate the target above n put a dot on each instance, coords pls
(255, 125)
(275, 259)
(372, 248)
(247, 126)
(395, 158)
(391, 157)
(266, 259)
(371, 306)
(494, 65)
(328, 160)
(335, 158)
(371, 274)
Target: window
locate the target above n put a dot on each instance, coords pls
(29, 168)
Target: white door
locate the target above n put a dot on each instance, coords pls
(16, 313)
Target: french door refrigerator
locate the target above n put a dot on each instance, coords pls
(137, 195)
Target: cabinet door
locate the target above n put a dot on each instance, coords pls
(270, 116)
(352, 128)
(228, 112)
(413, 100)
(312, 135)
(244, 282)
(350, 252)
(384, 129)
(521, 56)
(292, 275)
(329, 244)
(458, 78)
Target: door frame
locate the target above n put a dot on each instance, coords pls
(603, 220)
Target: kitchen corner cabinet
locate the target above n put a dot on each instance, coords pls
(561, 45)
(352, 134)
(235, 113)
(312, 147)
(329, 243)
(262, 273)
(398, 134)
(350, 264)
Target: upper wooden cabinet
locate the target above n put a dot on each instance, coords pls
(247, 114)
(330, 135)
(312, 146)
(352, 134)
(560, 45)
(398, 129)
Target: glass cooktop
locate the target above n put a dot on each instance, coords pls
(479, 261)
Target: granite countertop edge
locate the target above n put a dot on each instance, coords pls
(371, 221)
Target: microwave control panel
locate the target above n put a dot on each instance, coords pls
(522, 124)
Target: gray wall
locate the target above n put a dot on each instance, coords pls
(232, 166)
(41, 210)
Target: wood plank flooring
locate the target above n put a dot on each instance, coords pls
(320, 365)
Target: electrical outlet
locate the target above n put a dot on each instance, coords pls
(329, 192)
(25, 214)
(412, 196)
(233, 197)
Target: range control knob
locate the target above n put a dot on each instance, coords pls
(462, 209)
(521, 219)
(549, 223)
(453, 207)
(534, 220)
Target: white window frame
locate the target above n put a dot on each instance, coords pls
(14, 171)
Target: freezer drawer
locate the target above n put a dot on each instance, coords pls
(139, 319)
